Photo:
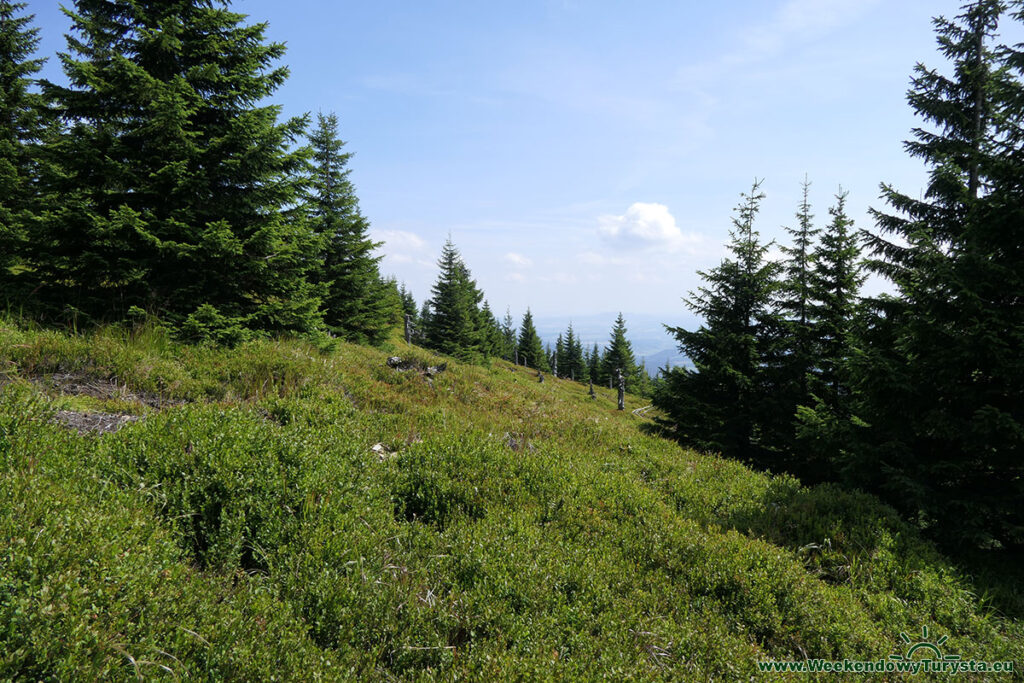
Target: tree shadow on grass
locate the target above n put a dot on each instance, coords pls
(850, 537)
(839, 531)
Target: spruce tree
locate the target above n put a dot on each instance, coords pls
(618, 355)
(793, 355)
(561, 359)
(20, 128)
(835, 284)
(795, 303)
(578, 361)
(479, 339)
(720, 404)
(942, 373)
(573, 363)
(826, 423)
(531, 351)
(173, 182)
(408, 303)
(453, 325)
(390, 306)
(594, 366)
(492, 338)
(508, 334)
(355, 306)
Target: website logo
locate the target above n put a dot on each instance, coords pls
(923, 655)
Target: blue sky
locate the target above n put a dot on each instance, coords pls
(586, 156)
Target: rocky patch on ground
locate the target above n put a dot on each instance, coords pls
(411, 365)
(82, 384)
(89, 422)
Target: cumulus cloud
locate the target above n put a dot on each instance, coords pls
(518, 260)
(645, 225)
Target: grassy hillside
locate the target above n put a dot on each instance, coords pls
(278, 512)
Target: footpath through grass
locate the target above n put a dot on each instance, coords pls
(278, 512)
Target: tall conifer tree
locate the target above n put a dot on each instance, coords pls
(356, 307)
(618, 355)
(173, 179)
(453, 325)
(594, 366)
(573, 365)
(826, 422)
(508, 333)
(943, 372)
(20, 128)
(795, 300)
(561, 360)
(492, 340)
(792, 357)
(721, 403)
(408, 303)
(835, 285)
(531, 351)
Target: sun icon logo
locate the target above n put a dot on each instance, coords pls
(931, 649)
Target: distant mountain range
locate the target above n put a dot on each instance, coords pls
(646, 333)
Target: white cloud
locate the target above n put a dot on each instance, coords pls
(400, 241)
(402, 249)
(646, 225)
(518, 260)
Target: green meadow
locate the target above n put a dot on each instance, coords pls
(282, 511)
